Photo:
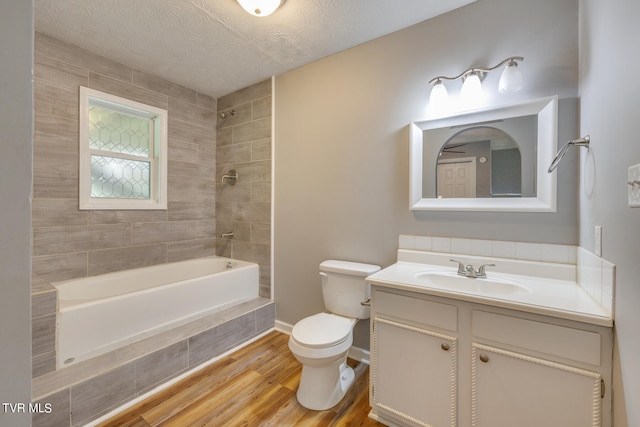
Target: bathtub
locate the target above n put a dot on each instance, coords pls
(101, 313)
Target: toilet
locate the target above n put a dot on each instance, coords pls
(321, 342)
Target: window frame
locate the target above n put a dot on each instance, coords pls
(157, 156)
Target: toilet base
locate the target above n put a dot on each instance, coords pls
(323, 387)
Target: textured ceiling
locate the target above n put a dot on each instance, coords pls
(213, 46)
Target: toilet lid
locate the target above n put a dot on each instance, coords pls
(322, 330)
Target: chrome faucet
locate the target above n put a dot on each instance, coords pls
(470, 271)
(228, 235)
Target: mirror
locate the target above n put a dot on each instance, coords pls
(486, 160)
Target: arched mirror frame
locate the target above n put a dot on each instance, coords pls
(545, 201)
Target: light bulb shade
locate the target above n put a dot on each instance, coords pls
(260, 7)
(439, 94)
(471, 88)
(511, 78)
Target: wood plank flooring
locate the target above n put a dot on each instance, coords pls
(255, 386)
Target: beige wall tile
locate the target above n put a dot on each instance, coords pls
(55, 268)
(261, 108)
(190, 249)
(255, 171)
(126, 90)
(261, 149)
(58, 240)
(190, 113)
(60, 73)
(190, 132)
(158, 232)
(241, 114)
(58, 155)
(241, 192)
(42, 364)
(90, 398)
(110, 260)
(258, 90)
(157, 84)
(57, 212)
(126, 217)
(43, 303)
(182, 150)
(61, 414)
(43, 338)
(48, 46)
(157, 367)
(192, 170)
(253, 252)
(55, 100)
(202, 208)
(252, 211)
(54, 184)
(206, 101)
(260, 233)
(206, 154)
(235, 153)
(206, 229)
(261, 192)
(256, 129)
(224, 136)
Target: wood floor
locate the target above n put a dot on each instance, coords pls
(255, 386)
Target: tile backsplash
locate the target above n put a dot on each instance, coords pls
(594, 274)
(544, 252)
(597, 278)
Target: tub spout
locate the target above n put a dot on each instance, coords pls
(228, 235)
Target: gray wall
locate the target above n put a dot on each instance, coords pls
(16, 131)
(609, 113)
(341, 140)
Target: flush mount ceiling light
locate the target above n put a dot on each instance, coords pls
(260, 7)
(510, 80)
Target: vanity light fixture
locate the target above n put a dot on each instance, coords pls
(260, 7)
(510, 80)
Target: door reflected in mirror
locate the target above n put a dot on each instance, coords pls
(480, 161)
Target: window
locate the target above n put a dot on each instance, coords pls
(123, 153)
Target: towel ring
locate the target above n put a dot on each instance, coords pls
(580, 142)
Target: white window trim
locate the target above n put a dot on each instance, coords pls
(159, 169)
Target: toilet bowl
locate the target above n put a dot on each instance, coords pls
(322, 341)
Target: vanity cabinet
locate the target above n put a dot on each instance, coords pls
(414, 346)
(444, 362)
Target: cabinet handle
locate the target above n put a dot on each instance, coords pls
(484, 358)
(445, 346)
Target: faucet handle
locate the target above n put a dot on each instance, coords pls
(481, 271)
(461, 267)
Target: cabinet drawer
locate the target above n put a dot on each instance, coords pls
(415, 310)
(561, 341)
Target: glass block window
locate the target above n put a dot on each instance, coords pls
(122, 153)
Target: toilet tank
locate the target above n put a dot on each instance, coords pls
(344, 287)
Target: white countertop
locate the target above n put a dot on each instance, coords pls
(547, 296)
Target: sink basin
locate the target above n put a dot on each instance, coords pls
(452, 281)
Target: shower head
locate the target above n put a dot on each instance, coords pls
(224, 115)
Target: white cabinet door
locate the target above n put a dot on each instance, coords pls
(511, 389)
(414, 374)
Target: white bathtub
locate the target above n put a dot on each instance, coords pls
(101, 313)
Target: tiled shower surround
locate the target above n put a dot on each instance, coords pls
(244, 144)
(69, 243)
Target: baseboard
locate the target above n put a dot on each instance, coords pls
(355, 353)
(285, 328)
